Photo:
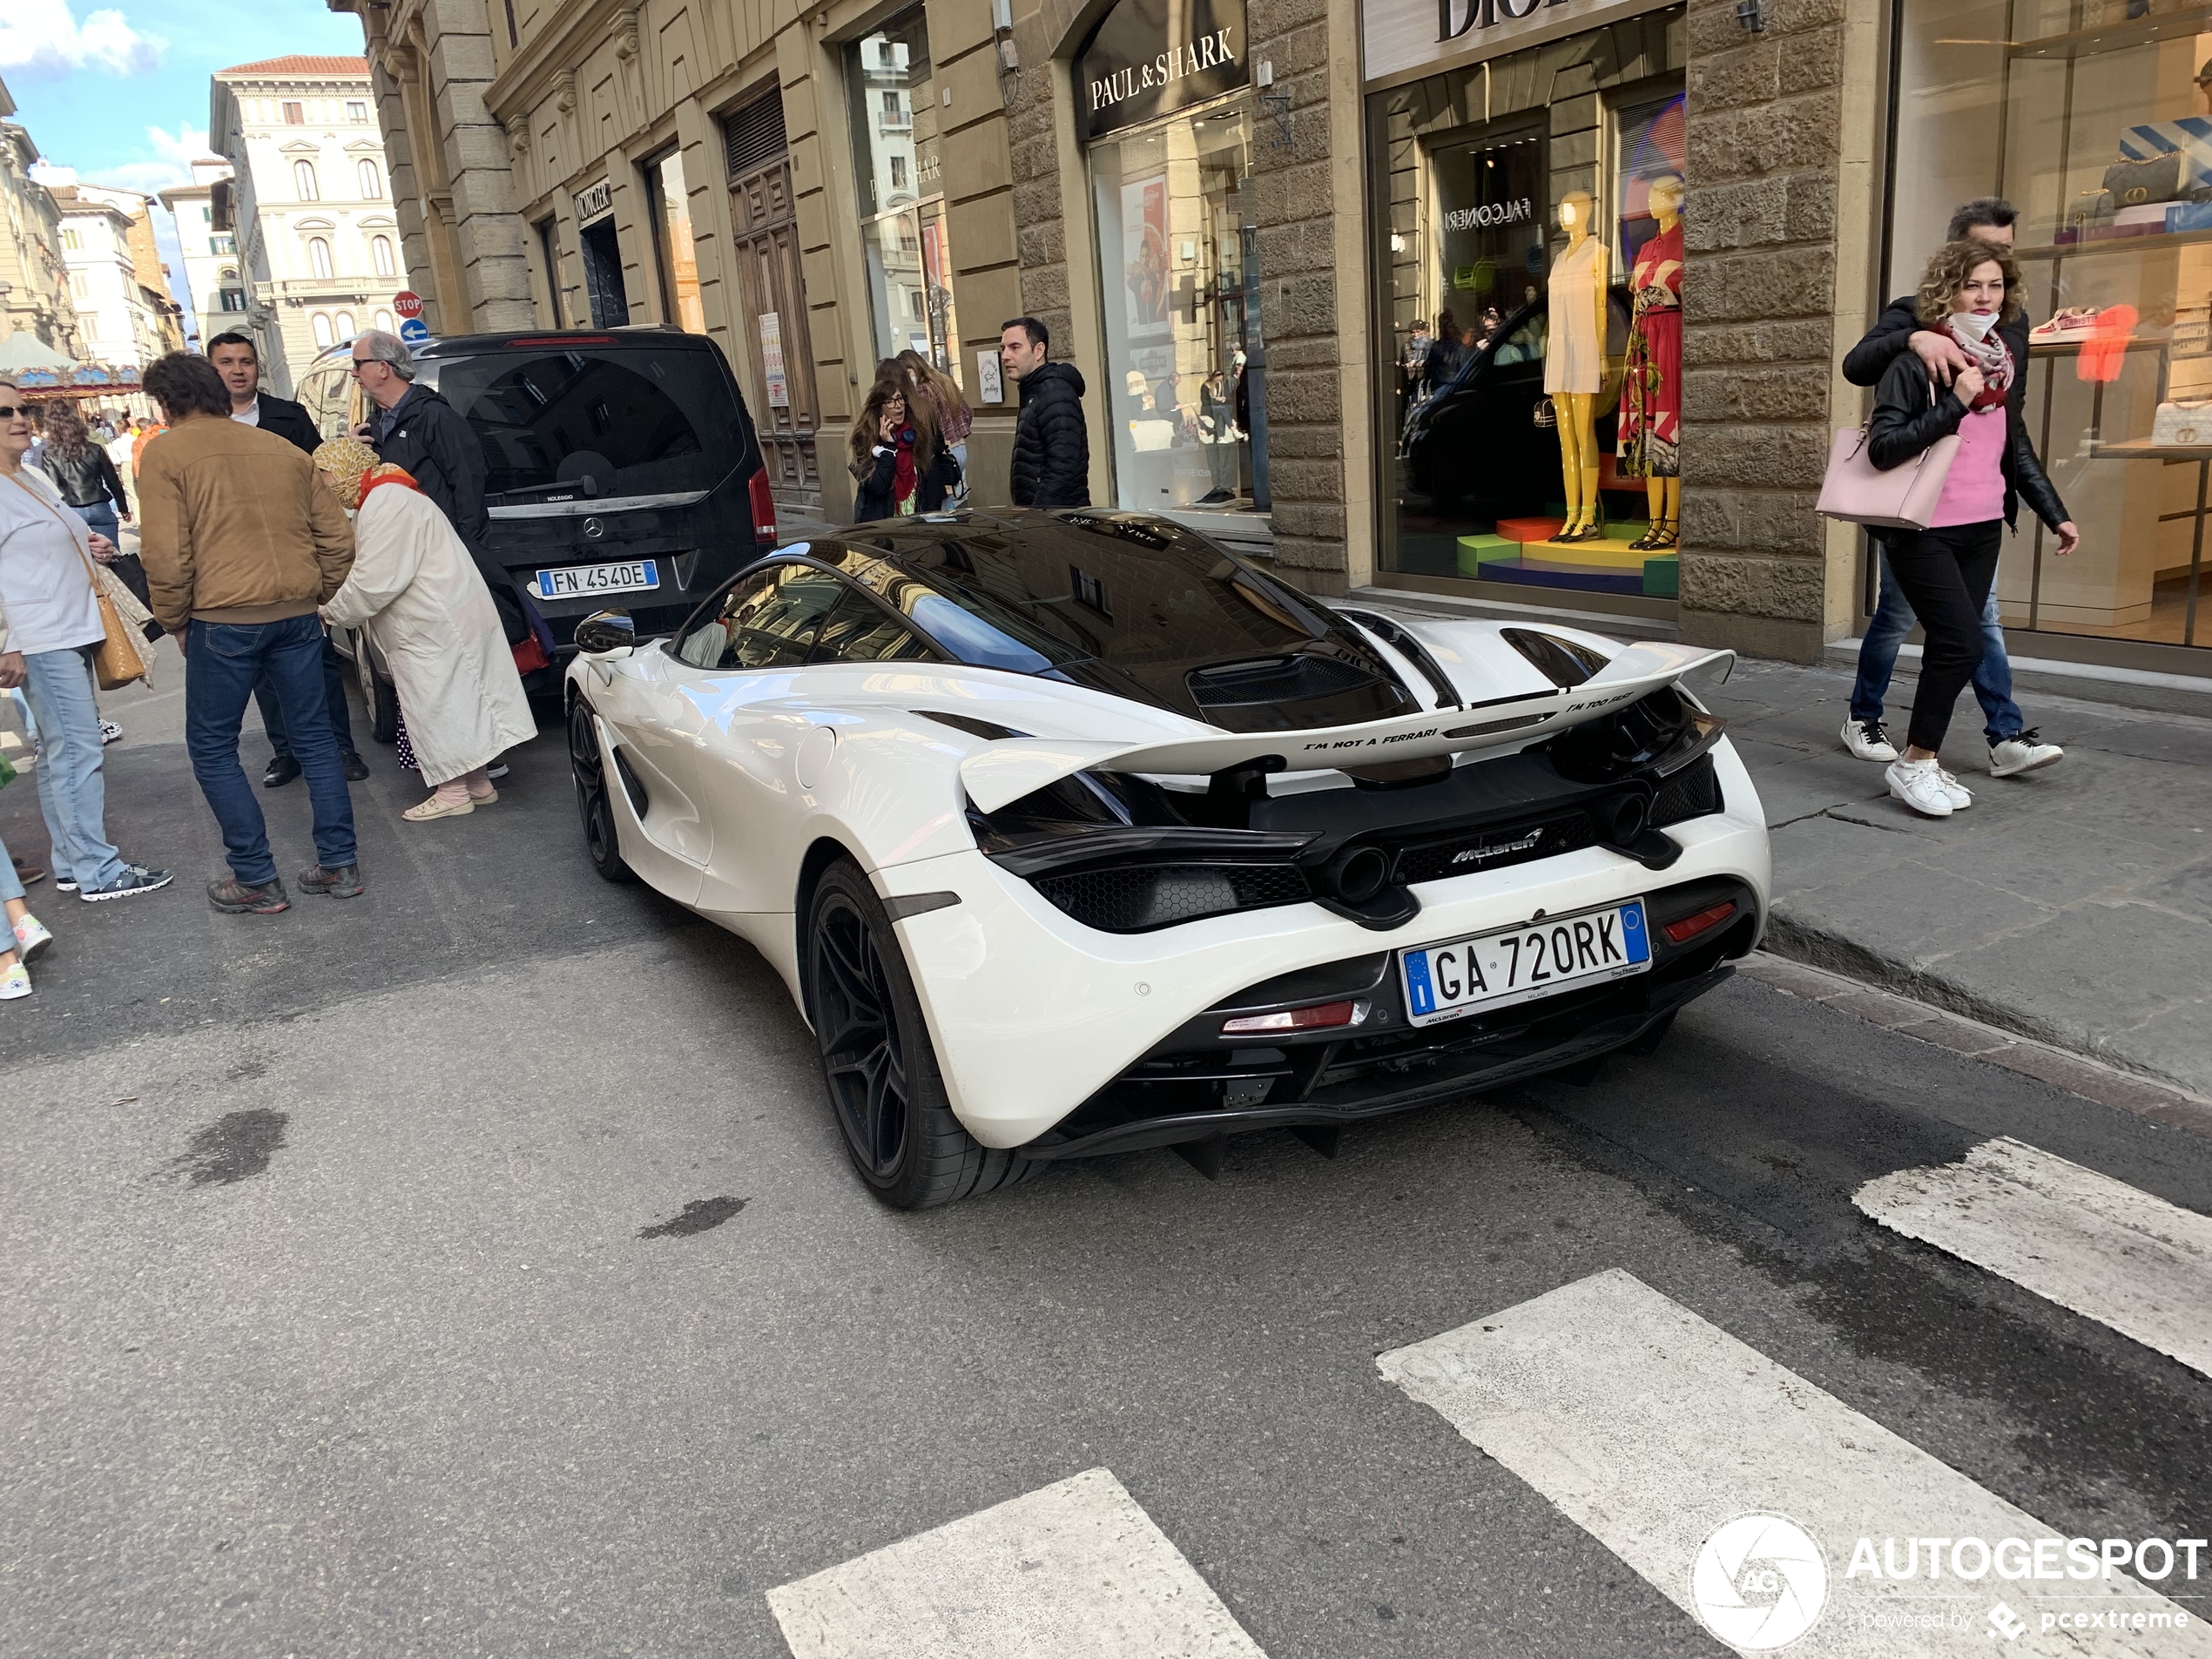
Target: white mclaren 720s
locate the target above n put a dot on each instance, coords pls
(1072, 834)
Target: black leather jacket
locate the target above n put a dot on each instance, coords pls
(1904, 422)
(87, 481)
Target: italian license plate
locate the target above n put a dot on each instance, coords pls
(584, 581)
(1492, 970)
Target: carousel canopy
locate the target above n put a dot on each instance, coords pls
(36, 367)
(23, 349)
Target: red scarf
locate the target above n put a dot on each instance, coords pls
(902, 468)
(384, 472)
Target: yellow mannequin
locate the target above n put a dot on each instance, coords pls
(1577, 411)
(1664, 494)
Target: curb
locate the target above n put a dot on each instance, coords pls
(1977, 1040)
(1816, 948)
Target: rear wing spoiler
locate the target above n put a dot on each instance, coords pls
(1012, 767)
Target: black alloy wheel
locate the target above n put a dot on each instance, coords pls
(600, 844)
(878, 1064)
(378, 697)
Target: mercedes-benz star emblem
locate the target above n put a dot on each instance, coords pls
(593, 529)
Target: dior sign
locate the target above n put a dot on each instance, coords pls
(1410, 35)
(1151, 57)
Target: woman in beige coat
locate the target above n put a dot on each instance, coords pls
(418, 597)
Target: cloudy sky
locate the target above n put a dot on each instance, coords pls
(120, 94)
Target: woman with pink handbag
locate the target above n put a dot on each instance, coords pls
(1945, 569)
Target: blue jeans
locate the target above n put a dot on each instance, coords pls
(1885, 631)
(100, 517)
(222, 661)
(73, 789)
(11, 887)
(334, 697)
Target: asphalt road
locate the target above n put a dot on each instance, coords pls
(473, 1268)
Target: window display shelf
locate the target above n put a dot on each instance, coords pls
(2117, 37)
(2114, 245)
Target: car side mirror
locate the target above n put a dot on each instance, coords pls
(605, 630)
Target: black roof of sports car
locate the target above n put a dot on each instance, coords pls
(1132, 604)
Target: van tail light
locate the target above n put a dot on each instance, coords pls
(1690, 927)
(763, 508)
(1313, 1019)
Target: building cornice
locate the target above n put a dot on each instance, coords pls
(531, 73)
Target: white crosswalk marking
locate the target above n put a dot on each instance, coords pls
(2083, 1240)
(1075, 1570)
(1650, 1427)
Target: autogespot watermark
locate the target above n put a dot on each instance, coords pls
(1761, 1580)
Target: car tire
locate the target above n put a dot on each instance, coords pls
(601, 845)
(878, 1064)
(378, 697)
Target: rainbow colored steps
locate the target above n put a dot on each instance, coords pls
(1520, 553)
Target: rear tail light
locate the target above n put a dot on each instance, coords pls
(764, 507)
(1690, 927)
(1318, 1018)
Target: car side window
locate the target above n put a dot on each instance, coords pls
(766, 620)
(1525, 344)
(860, 631)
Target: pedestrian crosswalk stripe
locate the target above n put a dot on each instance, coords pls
(2083, 1240)
(1649, 1429)
(1075, 1570)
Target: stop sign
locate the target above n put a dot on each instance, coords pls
(408, 303)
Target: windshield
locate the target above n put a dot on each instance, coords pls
(584, 424)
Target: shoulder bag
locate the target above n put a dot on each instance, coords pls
(120, 660)
(1904, 498)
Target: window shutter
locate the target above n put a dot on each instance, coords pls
(755, 135)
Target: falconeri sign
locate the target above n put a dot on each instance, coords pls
(1151, 57)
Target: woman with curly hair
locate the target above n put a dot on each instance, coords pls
(897, 462)
(936, 397)
(1946, 570)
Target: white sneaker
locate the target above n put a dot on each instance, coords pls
(1868, 740)
(1961, 797)
(32, 941)
(15, 982)
(2024, 751)
(1919, 783)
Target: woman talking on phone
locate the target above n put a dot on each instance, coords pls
(898, 464)
(1948, 568)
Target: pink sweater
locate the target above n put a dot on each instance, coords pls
(1973, 492)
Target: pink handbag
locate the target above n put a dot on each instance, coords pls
(1904, 498)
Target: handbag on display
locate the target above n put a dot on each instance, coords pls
(2137, 184)
(2183, 425)
(1903, 498)
(1544, 414)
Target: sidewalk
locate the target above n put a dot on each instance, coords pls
(2072, 905)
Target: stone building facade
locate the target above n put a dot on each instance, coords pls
(699, 166)
(36, 297)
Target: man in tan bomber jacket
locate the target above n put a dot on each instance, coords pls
(242, 542)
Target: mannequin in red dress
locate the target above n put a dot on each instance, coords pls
(1650, 425)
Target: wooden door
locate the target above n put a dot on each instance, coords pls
(770, 283)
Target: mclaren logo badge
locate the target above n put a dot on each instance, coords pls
(1496, 849)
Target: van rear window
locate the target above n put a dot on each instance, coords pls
(596, 423)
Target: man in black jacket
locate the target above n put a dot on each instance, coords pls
(1051, 444)
(234, 357)
(2014, 746)
(415, 428)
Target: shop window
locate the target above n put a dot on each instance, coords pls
(2094, 120)
(893, 104)
(1180, 284)
(674, 242)
(1528, 262)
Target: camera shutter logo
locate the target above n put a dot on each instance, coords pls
(1759, 1581)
